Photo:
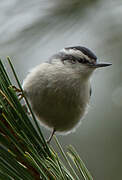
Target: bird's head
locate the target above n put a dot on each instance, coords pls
(80, 58)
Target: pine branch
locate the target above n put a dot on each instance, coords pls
(24, 153)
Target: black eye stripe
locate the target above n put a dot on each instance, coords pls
(68, 57)
(74, 59)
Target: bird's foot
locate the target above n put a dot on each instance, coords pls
(51, 136)
(19, 92)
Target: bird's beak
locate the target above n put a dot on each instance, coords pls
(100, 64)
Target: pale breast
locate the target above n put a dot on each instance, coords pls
(58, 98)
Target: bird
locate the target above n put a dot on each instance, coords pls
(59, 89)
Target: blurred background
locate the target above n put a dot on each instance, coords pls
(31, 31)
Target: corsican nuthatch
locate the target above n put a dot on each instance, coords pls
(59, 90)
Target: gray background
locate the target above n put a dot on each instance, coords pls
(31, 31)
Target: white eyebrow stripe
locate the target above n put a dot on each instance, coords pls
(75, 52)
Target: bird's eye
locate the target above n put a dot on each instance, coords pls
(73, 61)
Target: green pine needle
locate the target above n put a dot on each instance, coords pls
(24, 153)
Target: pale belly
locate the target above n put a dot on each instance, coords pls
(60, 111)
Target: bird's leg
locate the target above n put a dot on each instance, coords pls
(51, 136)
(20, 96)
(17, 90)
